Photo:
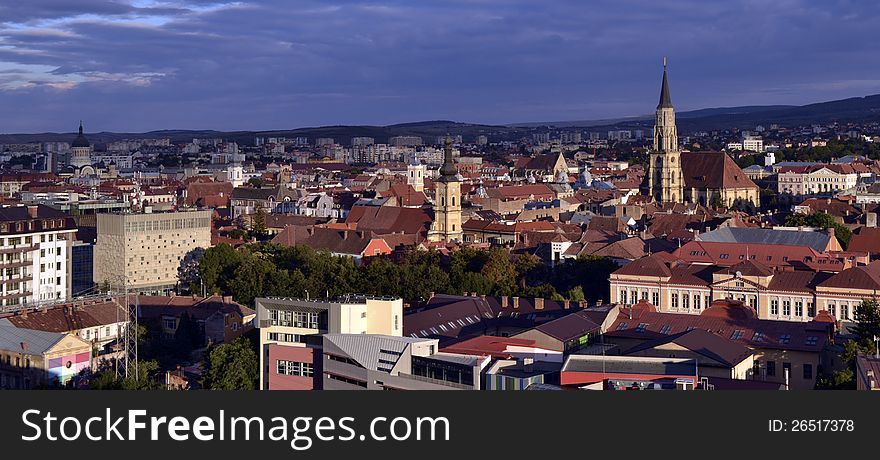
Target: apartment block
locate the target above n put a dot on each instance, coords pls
(146, 249)
(35, 255)
(291, 334)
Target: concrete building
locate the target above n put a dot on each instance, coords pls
(291, 330)
(35, 255)
(381, 362)
(146, 249)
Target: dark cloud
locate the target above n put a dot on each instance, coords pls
(142, 65)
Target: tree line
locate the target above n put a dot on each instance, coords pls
(267, 269)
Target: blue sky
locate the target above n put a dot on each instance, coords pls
(137, 65)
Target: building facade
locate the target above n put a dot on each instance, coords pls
(380, 362)
(144, 250)
(782, 293)
(35, 255)
(291, 330)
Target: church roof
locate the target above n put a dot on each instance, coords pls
(712, 170)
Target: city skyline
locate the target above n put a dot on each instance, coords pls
(148, 65)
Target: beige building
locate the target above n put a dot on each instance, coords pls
(146, 249)
(777, 294)
(447, 202)
(814, 180)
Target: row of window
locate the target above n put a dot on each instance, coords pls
(301, 319)
(281, 337)
(295, 368)
(169, 224)
(770, 367)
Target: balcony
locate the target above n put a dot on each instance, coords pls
(19, 248)
(17, 279)
(16, 264)
(14, 295)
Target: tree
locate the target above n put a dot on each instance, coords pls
(147, 378)
(743, 205)
(256, 182)
(867, 316)
(500, 271)
(232, 366)
(188, 271)
(576, 294)
(258, 225)
(820, 220)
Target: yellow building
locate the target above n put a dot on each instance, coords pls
(447, 202)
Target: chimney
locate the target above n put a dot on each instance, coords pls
(32, 211)
(504, 301)
(871, 220)
(539, 303)
(583, 304)
(430, 295)
(514, 302)
(872, 382)
(227, 299)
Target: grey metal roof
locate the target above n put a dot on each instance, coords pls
(629, 365)
(456, 358)
(367, 349)
(38, 342)
(814, 239)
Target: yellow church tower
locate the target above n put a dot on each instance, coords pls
(665, 179)
(447, 201)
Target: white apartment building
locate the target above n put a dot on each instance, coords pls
(35, 255)
(753, 144)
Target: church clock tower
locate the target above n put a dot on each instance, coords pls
(665, 180)
(447, 201)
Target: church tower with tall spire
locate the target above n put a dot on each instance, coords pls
(665, 179)
(447, 201)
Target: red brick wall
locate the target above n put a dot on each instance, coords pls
(300, 354)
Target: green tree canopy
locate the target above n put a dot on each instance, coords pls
(232, 366)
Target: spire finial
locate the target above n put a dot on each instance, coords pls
(80, 126)
(664, 62)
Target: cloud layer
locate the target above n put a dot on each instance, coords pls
(141, 64)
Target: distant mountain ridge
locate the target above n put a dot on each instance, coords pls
(855, 109)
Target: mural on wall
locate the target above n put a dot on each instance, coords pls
(65, 367)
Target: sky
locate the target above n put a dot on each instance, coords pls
(140, 65)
